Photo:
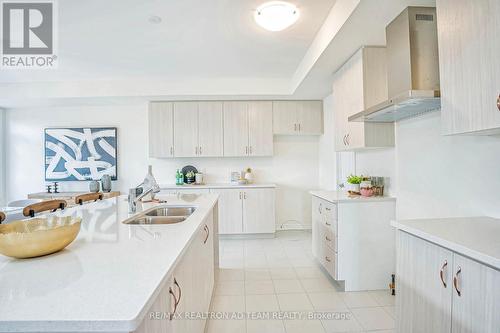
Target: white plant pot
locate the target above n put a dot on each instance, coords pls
(352, 187)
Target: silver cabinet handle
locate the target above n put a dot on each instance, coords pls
(328, 224)
(299, 127)
(328, 259)
(240, 195)
(328, 208)
(196, 150)
(207, 229)
(328, 239)
(246, 150)
(320, 208)
(171, 151)
(455, 280)
(171, 292)
(348, 139)
(199, 150)
(441, 272)
(498, 102)
(343, 140)
(250, 150)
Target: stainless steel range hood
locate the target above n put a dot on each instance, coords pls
(413, 68)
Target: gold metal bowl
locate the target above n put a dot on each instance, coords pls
(38, 237)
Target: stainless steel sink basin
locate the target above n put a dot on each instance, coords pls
(163, 215)
(157, 220)
(172, 211)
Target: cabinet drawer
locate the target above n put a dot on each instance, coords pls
(329, 238)
(329, 261)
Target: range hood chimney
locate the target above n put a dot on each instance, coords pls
(413, 68)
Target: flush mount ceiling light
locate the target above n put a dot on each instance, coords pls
(276, 15)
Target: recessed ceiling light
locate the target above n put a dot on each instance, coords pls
(154, 19)
(276, 15)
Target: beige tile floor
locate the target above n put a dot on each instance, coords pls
(280, 276)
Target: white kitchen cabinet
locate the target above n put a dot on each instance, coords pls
(189, 289)
(246, 211)
(161, 130)
(198, 129)
(453, 293)
(248, 129)
(477, 308)
(469, 66)
(260, 129)
(359, 84)
(235, 128)
(210, 129)
(258, 211)
(230, 211)
(185, 129)
(353, 240)
(298, 117)
(421, 293)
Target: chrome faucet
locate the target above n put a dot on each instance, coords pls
(148, 186)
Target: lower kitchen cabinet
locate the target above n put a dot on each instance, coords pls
(246, 211)
(354, 242)
(442, 291)
(188, 291)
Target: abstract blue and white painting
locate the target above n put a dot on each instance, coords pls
(80, 153)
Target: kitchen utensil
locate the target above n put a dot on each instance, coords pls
(38, 237)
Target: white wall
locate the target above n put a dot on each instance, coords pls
(327, 156)
(441, 176)
(294, 167)
(438, 176)
(378, 163)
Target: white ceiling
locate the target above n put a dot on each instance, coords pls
(200, 39)
(110, 53)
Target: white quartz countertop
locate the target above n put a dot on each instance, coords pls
(106, 279)
(214, 185)
(475, 237)
(339, 196)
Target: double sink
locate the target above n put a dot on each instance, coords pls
(163, 215)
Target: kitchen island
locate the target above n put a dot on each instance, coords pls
(115, 276)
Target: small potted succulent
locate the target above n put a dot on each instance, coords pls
(353, 183)
(190, 177)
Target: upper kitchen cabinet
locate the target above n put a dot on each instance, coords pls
(198, 129)
(298, 117)
(359, 84)
(161, 129)
(248, 128)
(469, 66)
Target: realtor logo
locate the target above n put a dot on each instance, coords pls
(28, 30)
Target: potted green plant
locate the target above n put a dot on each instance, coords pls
(353, 183)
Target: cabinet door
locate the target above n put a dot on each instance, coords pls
(354, 100)
(285, 117)
(210, 132)
(157, 318)
(468, 63)
(260, 128)
(310, 117)
(161, 130)
(423, 302)
(339, 105)
(230, 211)
(185, 129)
(477, 307)
(258, 211)
(235, 128)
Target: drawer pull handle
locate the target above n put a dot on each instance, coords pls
(328, 223)
(328, 239)
(328, 259)
(441, 272)
(328, 209)
(320, 208)
(171, 292)
(180, 291)
(207, 229)
(498, 102)
(455, 280)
